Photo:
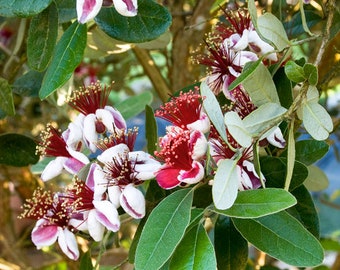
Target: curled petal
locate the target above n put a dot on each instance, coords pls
(203, 124)
(44, 235)
(90, 133)
(238, 42)
(167, 177)
(95, 228)
(100, 183)
(192, 176)
(68, 243)
(276, 138)
(107, 215)
(115, 151)
(73, 136)
(88, 9)
(53, 168)
(133, 202)
(126, 8)
(200, 145)
(119, 121)
(248, 172)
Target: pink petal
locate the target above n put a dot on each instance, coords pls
(88, 9)
(73, 165)
(133, 202)
(119, 121)
(107, 215)
(167, 177)
(68, 244)
(44, 235)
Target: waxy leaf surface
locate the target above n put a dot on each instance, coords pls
(22, 8)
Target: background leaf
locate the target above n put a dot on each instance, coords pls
(282, 237)
(194, 252)
(317, 180)
(28, 84)
(230, 247)
(20, 8)
(67, 56)
(151, 21)
(163, 230)
(259, 202)
(134, 105)
(6, 98)
(284, 88)
(150, 130)
(42, 37)
(17, 150)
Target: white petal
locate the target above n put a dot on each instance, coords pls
(107, 215)
(100, 183)
(44, 236)
(95, 228)
(262, 45)
(237, 42)
(276, 138)
(78, 155)
(200, 145)
(53, 168)
(126, 8)
(115, 151)
(133, 202)
(119, 121)
(68, 244)
(86, 10)
(114, 195)
(203, 124)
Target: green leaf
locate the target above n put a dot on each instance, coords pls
(260, 86)
(309, 151)
(271, 29)
(282, 237)
(42, 37)
(163, 230)
(17, 150)
(66, 10)
(262, 118)
(230, 247)
(317, 180)
(85, 261)
(316, 120)
(134, 105)
(311, 73)
(284, 88)
(67, 56)
(290, 154)
(6, 97)
(259, 202)
(294, 25)
(151, 21)
(213, 110)
(28, 84)
(225, 187)
(237, 129)
(20, 8)
(248, 69)
(305, 210)
(150, 130)
(294, 72)
(194, 252)
(274, 169)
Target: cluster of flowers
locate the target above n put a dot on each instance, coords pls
(110, 182)
(99, 150)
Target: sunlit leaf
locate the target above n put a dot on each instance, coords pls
(237, 129)
(259, 202)
(134, 105)
(282, 237)
(6, 97)
(230, 247)
(67, 56)
(225, 187)
(151, 21)
(42, 37)
(272, 30)
(260, 86)
(316, 120)
(20, 8)
(194, 252)
(213, 109)
(163, 230)
(17, 150)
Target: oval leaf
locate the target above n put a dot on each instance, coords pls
(194, 252)
(67, 56)
(213, 110)
(272, 30)
(282, 237)
(28, 84)
(260, 86)
(42, 37)
(19, 8)
(226, 184)
(17, 150)
(230, 247)
(294, 72)
(316, 120)
(259, 202)
(317, 180)
(151, 21)
(163, 230)
(237, 128)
